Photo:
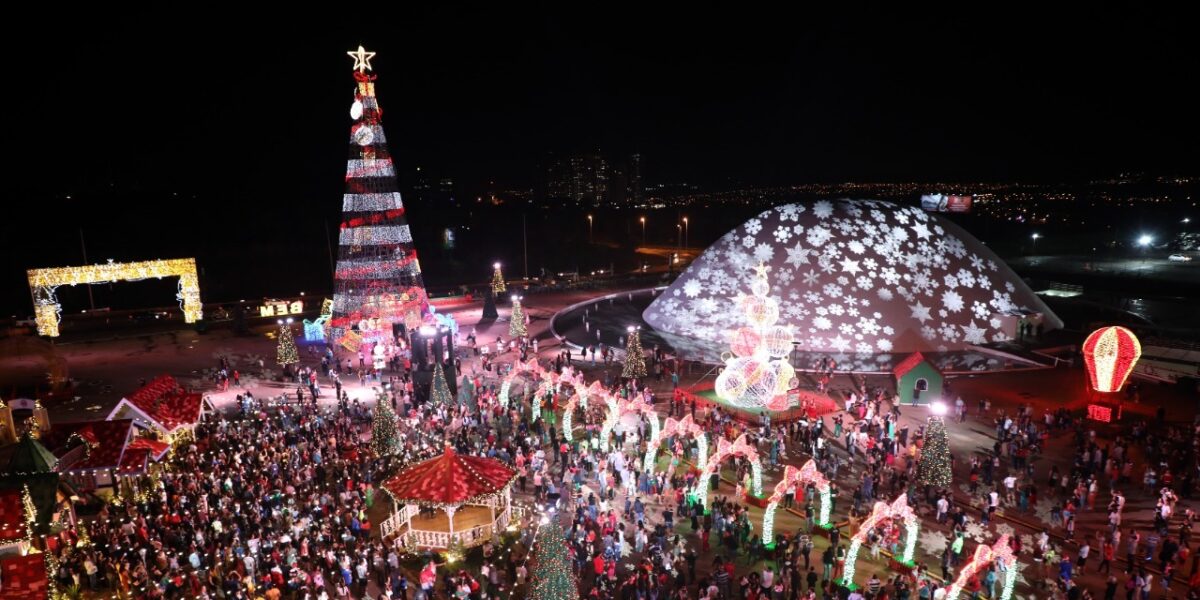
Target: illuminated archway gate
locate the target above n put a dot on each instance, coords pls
(898, 509)
(43, 283)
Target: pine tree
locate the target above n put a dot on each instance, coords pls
(383, 428)
(635, 361)
(498, 286)
(285, 352)
(439, 392)
(552, 578)
(934, 467)
(516, 321)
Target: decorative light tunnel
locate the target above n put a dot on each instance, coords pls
(725, 450)
(792, 476)
(1000, 553)
(683, 427)
(1110, 354)
(897, 509)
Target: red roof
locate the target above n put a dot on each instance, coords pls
(12, 516)
(106, 442)
(134, 461)
(157, 449)
(451, 478)
(167, 403)
(24, 577)
(909, 364)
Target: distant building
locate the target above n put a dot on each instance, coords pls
(593, 180)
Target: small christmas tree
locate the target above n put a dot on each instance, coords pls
(285, 352)
(516, 321)
(383, 428)
(934, 467)
(489, 305)
(439, 392)
(498, 286)
(635, 361)
(552, 577)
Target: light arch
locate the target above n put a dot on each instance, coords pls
(618, 407)
(791, 475)
(999, 552)
(899, 508)
(739, 447)
(683, 427)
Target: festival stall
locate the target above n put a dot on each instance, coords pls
(163, 406)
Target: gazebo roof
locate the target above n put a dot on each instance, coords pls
(449, 479)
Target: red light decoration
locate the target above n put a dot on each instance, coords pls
(1097, 412)
(1109, 354)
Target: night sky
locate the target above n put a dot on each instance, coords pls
(251, 115)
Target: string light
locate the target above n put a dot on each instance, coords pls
(635, 359)
(43, 284)
(934, 466)
(755, 376)
(516, 321)
(498, 286)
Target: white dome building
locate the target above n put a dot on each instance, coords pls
(858, 277)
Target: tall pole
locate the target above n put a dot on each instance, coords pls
(590, 237)
(83, 246)
(685, 232)
(525, 244)
(643, 231)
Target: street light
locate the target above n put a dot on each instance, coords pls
(678, 235)
(589, 229)
(643, 220)
(685, 232)
(1145, 240)
(1035, 239)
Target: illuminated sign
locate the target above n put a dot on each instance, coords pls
(280, 308)
(1098, 412)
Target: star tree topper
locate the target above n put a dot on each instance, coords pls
(362, 59)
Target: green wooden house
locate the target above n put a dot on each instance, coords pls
(917, 380)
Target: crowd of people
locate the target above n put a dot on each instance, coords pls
(273, 500)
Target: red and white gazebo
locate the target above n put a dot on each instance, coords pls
(474, 495)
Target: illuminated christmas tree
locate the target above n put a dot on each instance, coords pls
(383, 428)
(552, 578)
(498, 286)
(635, 360)
(934, 467)
(516, 321)
(439, 392)
(378, 282)
(285, 352)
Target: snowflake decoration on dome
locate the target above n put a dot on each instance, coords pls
(755, 376)
(935, 285)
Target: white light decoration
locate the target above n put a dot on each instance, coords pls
(755, 375)
(364, 135)
(44, 282)
(367, 236)
(683, 427)
(897, 509)
(371, 202)
(362, 59)
(725, 450)
(356, 110)
(793, 476)
(1000, 553)
(937, 407)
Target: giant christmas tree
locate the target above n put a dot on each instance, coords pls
(934, 466)
(378, 279)
(552, 575)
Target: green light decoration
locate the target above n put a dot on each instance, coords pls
(635, 359)
(739, 447)
(999, 553)
(899, 508)
(578, 399)
(610, 420)
(285, 352)
(672, 428)
(934, 466)
(516, 320)
(384, 440)
(793, 476)
(439, 392)
(552, 578)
